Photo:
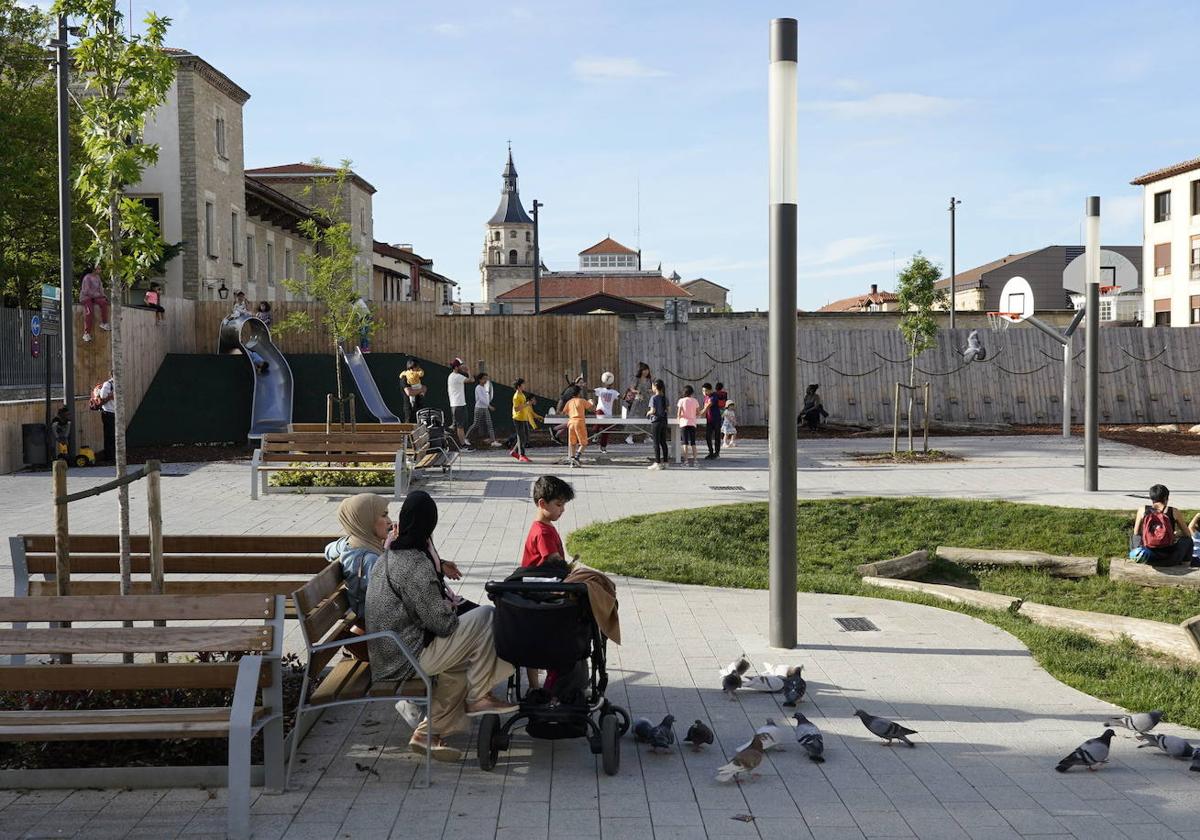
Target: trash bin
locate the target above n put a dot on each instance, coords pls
(33, 444)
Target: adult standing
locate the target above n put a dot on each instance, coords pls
(91, 295)
(107, 398)
(638, 394)
(456, 387)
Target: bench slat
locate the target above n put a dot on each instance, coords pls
(59, 717)
(135, 639)
(128, 677)
(172, 587)
(185, 564)
(321, 658)
(360, 428)
(392, 688)
(348, 680)
(313, 592)
(137, 607)
(331, 612)
(116, 731)
(188, 543)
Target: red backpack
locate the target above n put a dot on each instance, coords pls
(1158, 527)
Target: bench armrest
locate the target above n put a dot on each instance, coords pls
(382, 634)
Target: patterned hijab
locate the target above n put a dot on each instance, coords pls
(357, 516)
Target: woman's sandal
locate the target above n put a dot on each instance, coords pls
(441, 751)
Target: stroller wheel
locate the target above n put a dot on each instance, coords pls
(486, 746)
(624, 716)
(610, 744)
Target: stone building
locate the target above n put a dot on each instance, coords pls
(709, 296)
(401, 275)
(873, 301)
(507, 258)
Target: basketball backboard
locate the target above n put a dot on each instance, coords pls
(1017, 297)
(1115, 270)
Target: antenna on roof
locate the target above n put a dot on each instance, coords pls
(638, 224)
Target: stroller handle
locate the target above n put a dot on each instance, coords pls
(499, 587)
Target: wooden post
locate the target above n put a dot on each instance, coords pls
(328, 411)
(154, 527)
(62, 534)
(353, 427)
(896, 421)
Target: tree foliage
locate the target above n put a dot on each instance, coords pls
(330, 270)
(918, 299)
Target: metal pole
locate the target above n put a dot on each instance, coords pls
(537, 261)
(1066, 392)
(1091, 420)
(953, 202)
(782, 119)
(65, 274)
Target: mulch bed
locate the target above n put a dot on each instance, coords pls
(933, 456)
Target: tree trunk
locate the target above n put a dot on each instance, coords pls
(912, 378)
(337, 363)
(118, 366)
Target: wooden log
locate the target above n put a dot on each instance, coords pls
(973, 597)
(1057, 565)
(1144, 575)
(1192, 628)
(1171, 639)
(905, 566)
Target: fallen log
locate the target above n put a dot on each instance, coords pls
(1192, 628)
(1057, 565)
(973, 597)
(1145, 575)
(1171, 639)
(906, 566)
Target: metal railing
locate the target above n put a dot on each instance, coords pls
(18, 368)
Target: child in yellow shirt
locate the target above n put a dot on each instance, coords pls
(524, 418)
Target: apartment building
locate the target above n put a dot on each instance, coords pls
(1171, 245)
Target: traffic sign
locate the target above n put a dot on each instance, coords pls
(35, 325)
(35, 346)
(50, 310)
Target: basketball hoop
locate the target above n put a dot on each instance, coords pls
(1002, 320)
(1108, 290)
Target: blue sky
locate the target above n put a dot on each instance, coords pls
(1019, 108)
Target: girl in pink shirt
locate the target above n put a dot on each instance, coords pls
(686, 410)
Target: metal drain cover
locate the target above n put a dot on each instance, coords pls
(856, 624)
(726, 487)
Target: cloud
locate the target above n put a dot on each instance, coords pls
(857, 268)
(884, 105)
(838, 250)
(711, 265)
(449, 30)
(606, 69)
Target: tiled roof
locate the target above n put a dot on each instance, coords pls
(403, 254)
(187, 58)
(302, 171)
(572, 285)
(973, 276)
(608, 245)
(853, 304)
(703, 280)
(1167, 172)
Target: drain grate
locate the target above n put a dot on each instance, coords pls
(726, 487)
(856, 624)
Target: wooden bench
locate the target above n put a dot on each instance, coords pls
(326, 452)
(326, 623)
(364, 428)
(427, 455)
(258, 633)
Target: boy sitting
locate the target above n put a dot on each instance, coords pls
(543, 543)
(1153, 540)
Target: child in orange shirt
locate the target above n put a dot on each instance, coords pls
(577, 409)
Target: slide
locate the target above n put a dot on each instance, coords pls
(271, 409)
(368, 391)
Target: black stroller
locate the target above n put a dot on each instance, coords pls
(547, 624)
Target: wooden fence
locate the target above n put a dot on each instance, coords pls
(1146, 375)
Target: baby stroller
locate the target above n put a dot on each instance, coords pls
(548, 624)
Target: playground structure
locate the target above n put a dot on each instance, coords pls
(271, 409)
(368, 389)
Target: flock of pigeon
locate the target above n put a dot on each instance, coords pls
(790, 682)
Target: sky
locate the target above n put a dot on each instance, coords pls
(647, 121)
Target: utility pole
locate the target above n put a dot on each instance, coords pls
(62, 59)
(954, 202)
(781, 353)
(1091, 420)
(537, 261)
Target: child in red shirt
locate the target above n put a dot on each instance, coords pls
(543, 543)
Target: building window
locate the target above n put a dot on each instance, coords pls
(234, 238)
(512, 257)
(447, 295)
(1162, 206)
(512, 234)
(250, 257)
(1107, 309)
(528, 257)
(1162, 312)
(270, 263)
(1194, 309)
(1196, 198)
(220, 138)
(287, 263)
(362, 219)
(1162, 259)
(210, 230)
(528, 236)
(1195, 248)
(495, 236)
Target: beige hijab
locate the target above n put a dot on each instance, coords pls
(357, 516)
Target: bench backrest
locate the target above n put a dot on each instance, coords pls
(323, 607)
(420, 439)
(340, 447)
(362, 428)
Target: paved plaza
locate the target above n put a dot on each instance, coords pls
(992, 723)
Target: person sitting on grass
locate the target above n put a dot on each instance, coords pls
(1153, 540)
(406, 595)
(1194, 530)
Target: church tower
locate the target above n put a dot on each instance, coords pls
(507, 259)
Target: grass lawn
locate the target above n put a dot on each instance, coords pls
(727, 546)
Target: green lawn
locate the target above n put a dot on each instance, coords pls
(727, 546)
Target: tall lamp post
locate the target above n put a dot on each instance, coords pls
(537, 261)
(1091, 428)
(62, 59)
(954, 202)
(782, 146)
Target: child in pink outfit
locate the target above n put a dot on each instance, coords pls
(91, 295)
(686, 410)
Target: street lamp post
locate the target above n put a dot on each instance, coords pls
(537, 261)
(1091, 428)
(62, 60)
(782, 146)
(954, 202)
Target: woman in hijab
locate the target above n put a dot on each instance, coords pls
(407, 595)
(364, 520)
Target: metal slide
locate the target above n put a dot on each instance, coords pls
(368, 391)
(273, 385)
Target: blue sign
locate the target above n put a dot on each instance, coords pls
(35, 325)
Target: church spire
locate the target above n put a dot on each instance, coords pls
(510, 210)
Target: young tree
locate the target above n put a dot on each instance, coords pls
(330, 271)
(123, 79)
(918, 300)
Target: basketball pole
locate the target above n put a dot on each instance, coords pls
(1091, 429)
(782, 170)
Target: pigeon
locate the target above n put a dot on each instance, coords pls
(662, 737)
(731, 675)
(1140, 722)
(1090, 753)
(884, 728)
(698, 735)
(772, 735)
(810, 738)
(742, 764)
(764, 682)
(1171, 745)
(641, 730)
(974, 351)
(794, 686)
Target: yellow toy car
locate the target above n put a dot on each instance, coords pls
(85, 456)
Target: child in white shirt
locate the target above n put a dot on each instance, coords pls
(606, 398)
(729, 423)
